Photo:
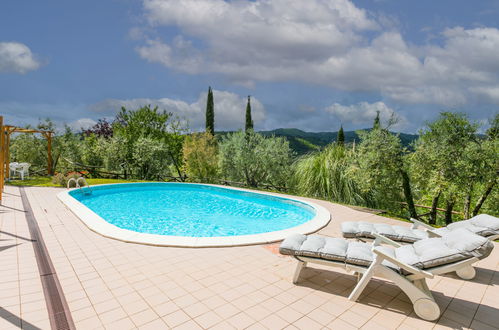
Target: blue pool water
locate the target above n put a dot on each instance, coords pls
(192, 210)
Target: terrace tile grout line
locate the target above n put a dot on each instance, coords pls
(58, 309)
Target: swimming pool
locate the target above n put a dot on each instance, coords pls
(182, 214)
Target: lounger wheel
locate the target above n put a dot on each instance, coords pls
(427, 309)
(466, 273)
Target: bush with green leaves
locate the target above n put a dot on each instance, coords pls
(149, 157)
(134, 129)
(63, 179)
(200, 153)
(251, 158)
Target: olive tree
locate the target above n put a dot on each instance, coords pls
(380, 168)
(254, 159)
(444, 163)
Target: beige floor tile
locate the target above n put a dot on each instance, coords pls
(106, 305)
(144, 317)
(307, 323)
(372, 325)
(223, 326)
(226, 311)
(189, 325)
(340, 325)
(134, 307)
(185, 300)
(83, 313)
(122, 324)
(196, 309)
(320, 316)
(208, 319)
(165, 308)
(241, 321)
(354, 318)
(90, 323)
(273, 322)
(257, 312)
(157, 324)
(176, 318)
(112, 315)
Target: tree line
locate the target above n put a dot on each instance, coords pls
(449, 168)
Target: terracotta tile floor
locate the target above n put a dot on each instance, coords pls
(115, 285)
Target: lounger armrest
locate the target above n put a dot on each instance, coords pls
(433, 234)
(382, 239)
(401, 264)
(417, 223)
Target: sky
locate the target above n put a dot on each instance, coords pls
(312, 65)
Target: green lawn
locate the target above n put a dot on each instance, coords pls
(43, 181)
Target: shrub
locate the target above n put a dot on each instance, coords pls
(62, 179)
(324, 175)
(59, 178)
(201, 157)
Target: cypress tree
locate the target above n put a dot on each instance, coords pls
(249, 121)
(376, 124)
(340, 140)
(210, 113)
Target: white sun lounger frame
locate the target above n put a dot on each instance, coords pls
(413, 285)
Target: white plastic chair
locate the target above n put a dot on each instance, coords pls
(13, 168)
(23, 169)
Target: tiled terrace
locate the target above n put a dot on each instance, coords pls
(115, 285)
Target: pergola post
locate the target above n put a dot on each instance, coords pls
(2, 154)
(49, 153)
(7, 154)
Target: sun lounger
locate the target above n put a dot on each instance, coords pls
(407, 266)
(483, 224)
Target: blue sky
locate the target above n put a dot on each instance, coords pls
(311, 64)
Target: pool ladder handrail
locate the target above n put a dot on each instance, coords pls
(77, 184)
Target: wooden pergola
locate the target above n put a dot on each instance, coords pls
(5, 132)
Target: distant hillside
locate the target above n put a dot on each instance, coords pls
(303, 142)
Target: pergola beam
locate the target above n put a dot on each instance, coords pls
(14, 129)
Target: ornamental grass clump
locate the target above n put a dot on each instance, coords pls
(325, 175)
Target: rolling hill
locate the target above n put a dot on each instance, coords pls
(303, 142)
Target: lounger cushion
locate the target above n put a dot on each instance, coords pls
(460, 244)
(425, 253)
(396, 233)
(482, 224)
(331, 248)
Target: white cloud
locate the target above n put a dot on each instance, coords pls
(244, 39)
(82, 124)
(363, 113)
(17, 57)
(332, 43)
(229, 109)
(490, 93)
